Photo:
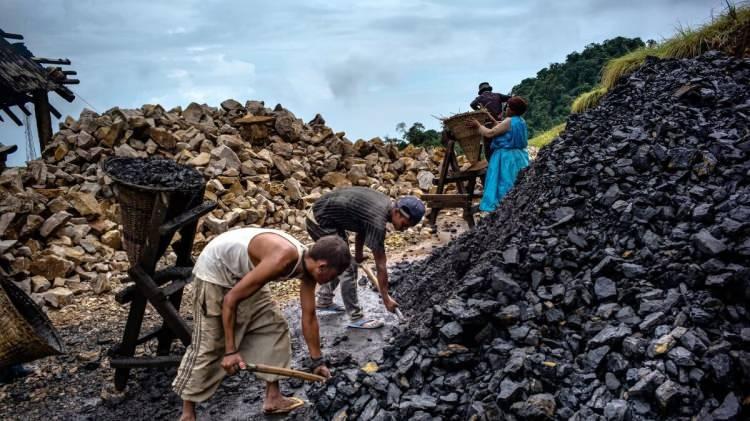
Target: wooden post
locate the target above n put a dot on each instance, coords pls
(43, 120)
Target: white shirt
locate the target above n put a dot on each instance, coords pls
(225, 260)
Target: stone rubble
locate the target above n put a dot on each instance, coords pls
(264, 167)
(612, 284)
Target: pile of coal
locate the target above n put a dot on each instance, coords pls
(159, 173)
(612, 284)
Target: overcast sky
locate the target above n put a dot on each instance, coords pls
(365, 68)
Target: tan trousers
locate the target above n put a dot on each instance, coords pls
(261, 335)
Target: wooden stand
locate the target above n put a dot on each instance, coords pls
(162, 289)
(465, 184)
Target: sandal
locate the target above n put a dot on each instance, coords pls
(297, 402)
(366, 324)
(332, 308)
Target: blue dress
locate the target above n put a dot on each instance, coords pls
(508, 157)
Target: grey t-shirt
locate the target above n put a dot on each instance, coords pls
(355, 209)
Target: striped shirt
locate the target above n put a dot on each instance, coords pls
(355, 209)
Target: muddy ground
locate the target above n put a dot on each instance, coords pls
(78, 385)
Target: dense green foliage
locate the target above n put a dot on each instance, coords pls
(554, 88)
(415, 135)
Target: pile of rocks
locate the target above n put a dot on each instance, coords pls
(613, 283)
(59, 231)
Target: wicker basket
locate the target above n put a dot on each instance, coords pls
(469, 138)
(27, 333)
(137, 205)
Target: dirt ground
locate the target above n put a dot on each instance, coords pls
(79, 384)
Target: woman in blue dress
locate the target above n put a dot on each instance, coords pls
(508, 153)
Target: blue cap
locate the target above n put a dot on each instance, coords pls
(412, 208)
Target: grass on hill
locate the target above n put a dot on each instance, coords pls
(588, 100)
(544, 138)
(729, 33)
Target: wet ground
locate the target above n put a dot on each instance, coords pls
(78, 385)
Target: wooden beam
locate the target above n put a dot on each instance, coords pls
(70, 82)
(54, 111)
(24, 109)
(10, 36)
(42, 60)
(65, 94)
(12, 116)
(462, 176)
(69, 72)
(43, 120)
(446, 200)
(187, 217)
(145, 362)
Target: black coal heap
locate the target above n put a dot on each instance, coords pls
(613, 283)
(154, 172)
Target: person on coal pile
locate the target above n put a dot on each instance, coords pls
(365, 212)
(489, 100)
(508, 153)
(236, 320)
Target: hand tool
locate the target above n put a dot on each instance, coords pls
(286, 372)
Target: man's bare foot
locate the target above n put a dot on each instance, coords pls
(188, 411)
(281, 404)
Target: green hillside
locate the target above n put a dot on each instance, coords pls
(552, 91)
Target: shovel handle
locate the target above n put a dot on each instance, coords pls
(374, 280)
(286, 372)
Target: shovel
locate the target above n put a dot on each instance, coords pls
(286, 372)
(374, 280)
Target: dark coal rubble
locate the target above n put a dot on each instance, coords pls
(612, 284)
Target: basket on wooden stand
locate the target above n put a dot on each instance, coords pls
(468, 137)
(137, 205)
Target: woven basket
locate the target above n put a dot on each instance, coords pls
(469, 138)
(27, 333)
(137, 205)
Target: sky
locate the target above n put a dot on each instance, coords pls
(364, 65)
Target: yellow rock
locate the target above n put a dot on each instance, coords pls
(61, 151)
(661, 348)
(370, 367)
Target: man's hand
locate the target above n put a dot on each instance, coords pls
(322, 370)
(390, 303)
(233, 363)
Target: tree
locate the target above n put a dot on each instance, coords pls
(554, 88)
(417, 135)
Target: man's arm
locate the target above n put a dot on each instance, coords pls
(475, 104)
(497, 130)
(382, 274)
(503, 97)
(359, 244)
(310, 327)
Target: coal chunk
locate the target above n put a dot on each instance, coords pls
(605, 288)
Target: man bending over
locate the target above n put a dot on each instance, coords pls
(236, 320)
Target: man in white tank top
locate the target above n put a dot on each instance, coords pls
(236, 320)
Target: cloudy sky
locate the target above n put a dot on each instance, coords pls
(364, 67)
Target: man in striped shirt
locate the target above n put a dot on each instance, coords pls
(364, 212)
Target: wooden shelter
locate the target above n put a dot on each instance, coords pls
(24, 79)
